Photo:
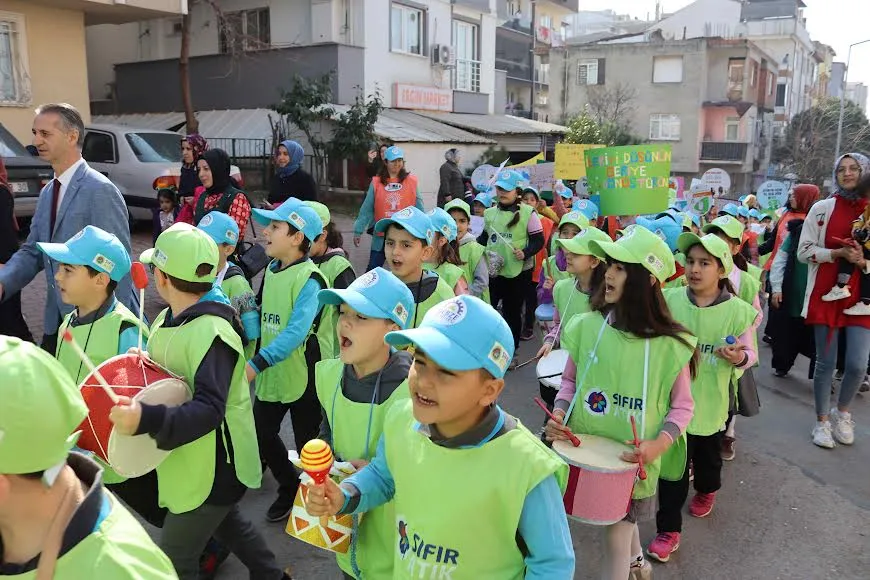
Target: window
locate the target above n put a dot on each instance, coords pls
(406, 29)
(587, 73)
(753, 74)
(780, 95)
(244, 30)
(668, 69)
(14, 77)
(735, 75)
(770, 82)
(466, 75)
(546, 21)
(664, 127)
(732, 129)
(99, 148)
(154, 147)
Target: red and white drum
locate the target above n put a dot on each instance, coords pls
(144, 381)
(600, 483)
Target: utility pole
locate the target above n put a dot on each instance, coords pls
(532, 70)
(843, 97)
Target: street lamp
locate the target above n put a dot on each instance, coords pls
(843, 96)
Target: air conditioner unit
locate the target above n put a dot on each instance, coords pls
(443, 55)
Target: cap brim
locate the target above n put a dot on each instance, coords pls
(573, 246)
(505, 185)
(61, 253)
(353, 299)
(382, 225)
(445, 352)
(147, 256)
(603, 250)
(265, 216)
(393, 157)
(687, 240)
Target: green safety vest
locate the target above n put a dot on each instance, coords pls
(237, 288)
(471, 253)
(437, 489)
(350, 422)
(711, 325)
(286, 381)
(119, 549)
(496, 225)
(612, 389)
(551, 270)
(569, 300)
(749, 287)
(755, 272)
(331, 268)
(450, 273)
(442, 292)
(186, 476)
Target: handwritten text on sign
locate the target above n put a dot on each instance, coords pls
(631, 180)
(570, 160)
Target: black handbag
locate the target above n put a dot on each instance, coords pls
(748, 403)
(251, 257)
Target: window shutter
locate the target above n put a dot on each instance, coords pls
(600, 71)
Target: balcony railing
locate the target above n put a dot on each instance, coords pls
(466, 75)
(723, 152)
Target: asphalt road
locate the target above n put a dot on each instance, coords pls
(787, 510)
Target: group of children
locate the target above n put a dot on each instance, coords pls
(400, 371)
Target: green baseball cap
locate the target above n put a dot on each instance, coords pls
(179, 251)
(575, 217)
(579, 244)
(727, 224)
(638, 245)
(714, 245)
(321, 210)
(458, 204)
(40, 411)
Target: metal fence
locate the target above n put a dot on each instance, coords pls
(252, 156)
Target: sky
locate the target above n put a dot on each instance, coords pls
(837, 23)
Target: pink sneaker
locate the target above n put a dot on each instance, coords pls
(702, 504)
(663, 546)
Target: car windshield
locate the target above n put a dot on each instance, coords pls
(9, 145)
(155, 147)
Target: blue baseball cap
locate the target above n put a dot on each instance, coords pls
(376, 294)
(730, 209)
(443, 223)
(484, 198)
(587, 208)
(664, 227)
(743, 211)
(393, 153)
(563, 190)
(220, 227)
(754, 213)
(92, 247)
(294, 212)
(461, 334)
(508, 180)
(414, 221)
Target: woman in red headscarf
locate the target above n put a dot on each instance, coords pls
(12, 322)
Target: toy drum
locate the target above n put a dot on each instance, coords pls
(599, 482)
(146, 382)
(549, 369)
(544, 315)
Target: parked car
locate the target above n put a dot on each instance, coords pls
(134, 158)
(27, 174)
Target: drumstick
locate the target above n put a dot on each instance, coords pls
(641, 473)
(67, 336)
(574, 439)
(531, 360)
(140, 280)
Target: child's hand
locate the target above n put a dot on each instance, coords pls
(649, 450)
(549, 283)
(545, 350)
(555, 430)
(733, 353)
(250, 373)
(324, 500)
(136, 352)
(518, 254)
(126, 416)
(356, 241)
(358, 463)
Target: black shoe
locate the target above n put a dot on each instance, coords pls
(527, 334)
(780, 374)
(280, 509)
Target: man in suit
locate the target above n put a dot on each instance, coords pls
(77, 196)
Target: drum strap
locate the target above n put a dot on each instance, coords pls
(645, 386)
(589, 361)
(567, 310)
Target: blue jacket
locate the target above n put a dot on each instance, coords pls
(90, 199)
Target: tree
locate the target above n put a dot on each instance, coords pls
(583, 130)
(355, 129)
(612, 105)
(810, 141)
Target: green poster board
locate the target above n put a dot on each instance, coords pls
(631, 180)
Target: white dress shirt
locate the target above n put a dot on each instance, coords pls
(65, 178)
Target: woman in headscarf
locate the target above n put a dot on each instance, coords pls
(219, 191)
(192, 148)
(290, 180)
(12, 322)
(827, 225)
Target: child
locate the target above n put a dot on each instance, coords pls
(514, 232)
(166, 213)
(628, 348)
(330, 258)
(473, 254)
(531, 198)
(230, 278)
(707, 308)
(356, 392)
(554, 267)
(861, 240)
(214, 457)
(44, 485)
(445, 260)
(408, 239)
(481, 203)
(452, 455)
(289, 343)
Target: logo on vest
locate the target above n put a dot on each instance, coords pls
(395, 186)
(422, 559)
(367, 280)
(449, 312)
(596, 403)
(271, 323)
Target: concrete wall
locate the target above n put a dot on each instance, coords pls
(219, 82)
(424, 160)
(702, 18)
(54, 41)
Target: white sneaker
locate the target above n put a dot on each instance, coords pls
(640, 570)
(843, 427)
(837, 293)
(822, 435)
(859, 309)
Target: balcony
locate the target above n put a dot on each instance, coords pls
(778, 27)
(466, 75)
(111, 12)
(722, 152)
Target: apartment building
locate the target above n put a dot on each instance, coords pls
(712, 99)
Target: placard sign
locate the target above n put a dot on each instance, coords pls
(715, 179)
(539, 176)
(571, 160)
(630, 180)
(772, 195)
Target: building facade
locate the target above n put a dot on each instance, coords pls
(711, 99)
(857, 93)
